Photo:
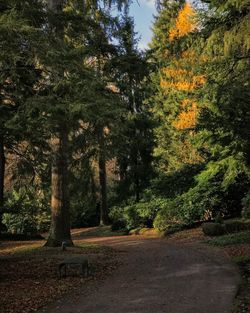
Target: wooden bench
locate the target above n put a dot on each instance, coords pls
(73, 261)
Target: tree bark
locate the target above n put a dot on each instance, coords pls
(137, 182)
(104, 219)
(2, 173)
(60, 215)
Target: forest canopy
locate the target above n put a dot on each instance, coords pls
(95, 131)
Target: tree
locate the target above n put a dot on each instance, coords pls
(201, 107)
(174, 105)
(70, 33)
(19, 34)
(224, 116)
(134, 152)
(60, 219)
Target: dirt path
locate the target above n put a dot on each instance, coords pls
(159, 276)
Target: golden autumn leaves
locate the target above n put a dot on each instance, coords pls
(184, 23)
(178, 78)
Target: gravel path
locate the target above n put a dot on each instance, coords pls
(158, 276)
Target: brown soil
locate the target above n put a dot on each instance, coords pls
(160, 275)
(152, 275)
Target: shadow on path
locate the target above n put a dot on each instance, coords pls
(158, 276)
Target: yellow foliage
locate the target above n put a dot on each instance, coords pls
(184, 85)
(184, 23)
(173, 72)
(187, 118)
(181, 79)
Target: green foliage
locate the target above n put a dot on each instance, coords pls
(19, 223)
(236, 225)
(228, 226)
(132, 217)
(174, 183)
(141, 214)
(133, 139)
(81, 80)
(166, 217)
(231, 239)
(26, 213)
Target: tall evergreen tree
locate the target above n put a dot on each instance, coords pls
(174, 105)
(19, 33)
(134, 152)
(224, 118)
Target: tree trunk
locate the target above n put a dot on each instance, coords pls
(2, 173)
(60, 217)
(104, 219)
(137, 181)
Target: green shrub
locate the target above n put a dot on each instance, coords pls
(147, 211)
(213, 229)
(168, 216)
(232, 226)
(132, 217)
(19, 223)
(186, 209)
(116, 213)
(26, 212)
(231, 239)
(141, 214)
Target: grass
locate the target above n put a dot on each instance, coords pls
(231, 239)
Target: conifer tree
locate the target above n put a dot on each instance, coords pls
(134, 153)
(20, 39)
(224, 118)
(174, 105)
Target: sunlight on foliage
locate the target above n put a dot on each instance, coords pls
(184, 24)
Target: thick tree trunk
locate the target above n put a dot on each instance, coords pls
(2, 173)
(60, 217)
(104, 219)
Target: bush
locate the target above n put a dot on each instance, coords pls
(19, 223)
(213, 229)
(166, 217)
(187, 208)
(141, 214)
(233, 226)
(132, 217)
(231, 239)
(116, 213)
(26, 212)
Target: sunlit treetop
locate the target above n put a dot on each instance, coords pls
(184, 24)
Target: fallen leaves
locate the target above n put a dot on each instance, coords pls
(29, 279)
